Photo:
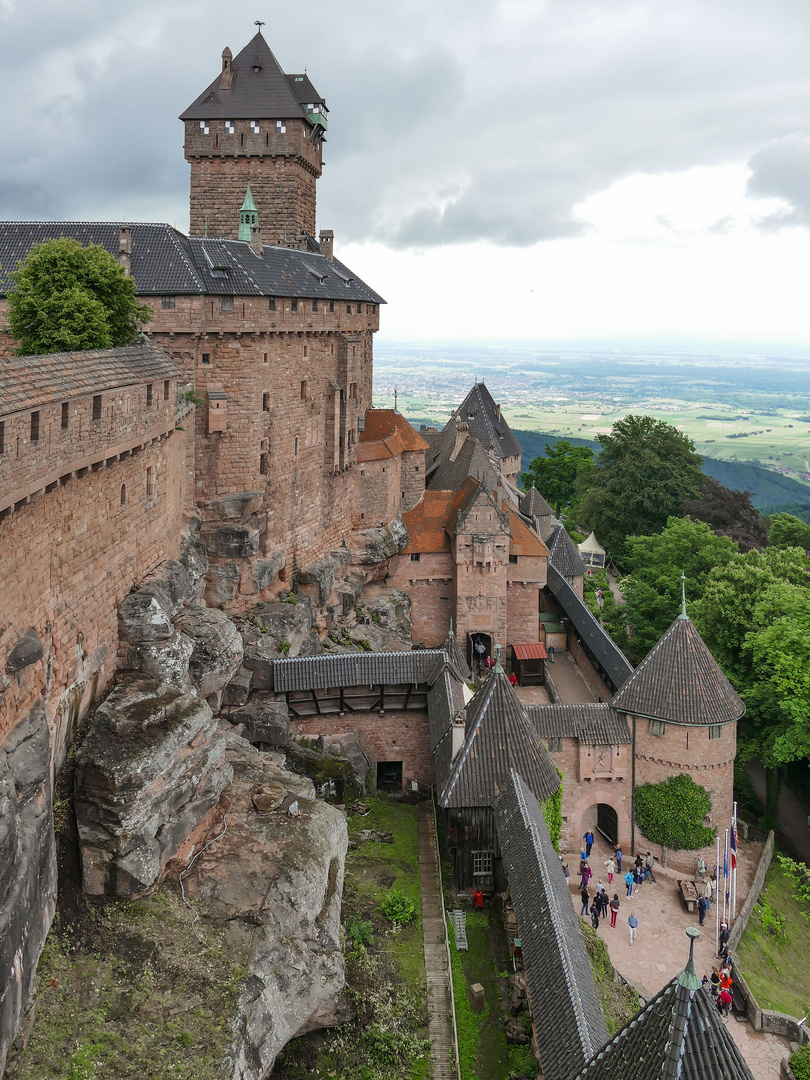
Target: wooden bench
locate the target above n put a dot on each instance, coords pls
(689, 894)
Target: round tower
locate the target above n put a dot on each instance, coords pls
(255, 125)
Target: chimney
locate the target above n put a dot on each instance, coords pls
(226, 77)
(256, 245)
(125, 249)
(498, 411)
(459, 733)
(326, 242)
(461, 435)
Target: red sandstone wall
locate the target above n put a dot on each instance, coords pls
(66, 561)
(413, 479)
(427, 582)
(395, 736)
(378, 492)
(597, 686)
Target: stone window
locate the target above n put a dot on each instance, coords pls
(265, 403)
(482, 862)
(254, 124)
(281, 127)
(264, 466)
(271, 303)
(555, 744)
(97, 407)
(2, 436)
(206, 358)
(229, 128)
(123, 494)
(402, 494)
(305, 351)
(304, 390)
(294, 304)
(226, 303)
(295, 447)
(359, 309)
(35, 426)
(348, 309)
(148, 394)
(716, 731)
(266, 359)
(513, 560)
(204, 127)
(331, 305)
(167, 303)
(415, 556)
(315, 304)
(166, 386)
(150, 481)
(657, 727)
(65, 415)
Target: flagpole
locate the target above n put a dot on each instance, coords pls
(716, 902)
(725, 876)
(736, 858)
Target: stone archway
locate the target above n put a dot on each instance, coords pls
(582, 814)
(474, 637)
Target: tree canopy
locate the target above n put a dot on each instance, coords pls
(788, 531)
(66, 297)
(672, 812)
(645, 471)
(555, 474)
(730, 513)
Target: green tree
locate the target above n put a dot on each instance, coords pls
(672, 812)
(66, 297)
(555, 474)
(788, 531)
(652, 589)
(730, 513)
(645, 471)
(755, 617)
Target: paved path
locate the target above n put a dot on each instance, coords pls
(661, 948)
(792, 815)
(442, 1054)
(568, 679)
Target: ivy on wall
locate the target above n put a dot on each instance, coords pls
(552, 814)
(672, 812)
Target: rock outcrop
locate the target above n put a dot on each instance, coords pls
(274, 882)
(27, 866)
(150, 769)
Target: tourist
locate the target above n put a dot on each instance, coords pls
(701, 909)
(632, 922)
(618, 854)
(550, 652)
(513, 678)
(588, 841)
(638, 873)
(604, 904)
(600, 888)
(714, 982)
(584, 875)
(701, 867)
(649, 863)
(707, 892)
(595, 915)
(614, 909)
(610, 866)
(628, 880)
(583, 892)
(565, 869)
(724, 1002)
(722, 940)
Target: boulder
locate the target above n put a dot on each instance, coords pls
(372, 546)
(222, 583)
(387, 607)
(164, 661)
(230, 541)
(194, 558)
(27, 651)
(258, 659)
(217, 648)
(151, 767)
(319, 578)
(238, 689)
(236, 507)
(268, 722)
(371, 637)
(27, 866)
(170, 582)
(265, 571)
(144, 617)
(333, 776)
(348, 746)
(279, 624)
(273, 882)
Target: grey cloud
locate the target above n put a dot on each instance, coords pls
(782, 170)
(449, 123)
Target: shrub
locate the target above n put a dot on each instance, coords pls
(552, 814)
(360, 932)
(398, 908)
(800, 1062)
(772, 922)
(800, 879)
(672, 812)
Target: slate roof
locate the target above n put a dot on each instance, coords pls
(564, 554)
(165, 262)
(596, 724)
(678, 1036)
(458, 665)
(613, 661)
(355, 669)
(679, 681)
(534, 505)
(498, 737)
(26, 382)
(387, 434)
(568, 1016)
(444, 474)
(270, 94)
(479, 411)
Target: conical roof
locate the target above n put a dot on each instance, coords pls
(678, 1036)
(480, 413)
(248, 204)
(259, 90)
(457, 664)
(564, 555)
(534, 505)
(498, 738)
(680, 681)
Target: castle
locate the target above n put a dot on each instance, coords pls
(106, 462)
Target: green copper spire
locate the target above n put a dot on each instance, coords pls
(451, 634)
(248, 215)
(689, 977)
(498, 670)
(683, 614)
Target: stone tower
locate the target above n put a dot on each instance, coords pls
(255, 125)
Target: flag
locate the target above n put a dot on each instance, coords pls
(725, 860)
(733, 845)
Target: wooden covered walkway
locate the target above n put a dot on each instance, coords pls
(443, 1054)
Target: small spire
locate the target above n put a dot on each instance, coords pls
(248, 204)
(689, 977)
(498, 670)
(451, 634)
(683, 614)
(248, 216)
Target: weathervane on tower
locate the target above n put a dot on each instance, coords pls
(259, 23)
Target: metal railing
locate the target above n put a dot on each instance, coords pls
(437, 852)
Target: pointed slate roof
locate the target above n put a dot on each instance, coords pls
(679, 681)
(455, 658)
(564, 555)
(568, 1016)
(268, 94)
(678, 1036)
(534, 505)
(480, 413)
(498, 738)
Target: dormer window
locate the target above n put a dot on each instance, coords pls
(204, 127)
(256, 69)
(254, 125)
(229, 128)
(281, 127)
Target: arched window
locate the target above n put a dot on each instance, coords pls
(123, 494)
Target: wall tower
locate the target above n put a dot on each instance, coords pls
(255, 125)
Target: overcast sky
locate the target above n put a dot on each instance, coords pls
(570, 169)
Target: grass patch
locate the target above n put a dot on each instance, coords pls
(385, 964)
(619, 1003)
(775, 964)
(131, 994)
